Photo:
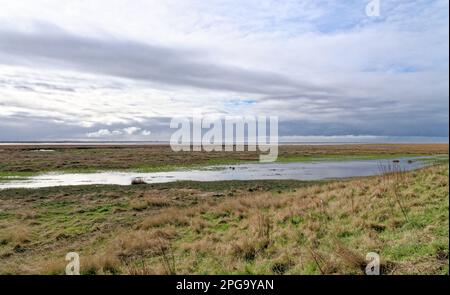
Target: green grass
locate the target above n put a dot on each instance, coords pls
(340, 157)
(7, 176)
(437, 159)
(302, 216)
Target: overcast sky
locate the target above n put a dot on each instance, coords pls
(119, 70)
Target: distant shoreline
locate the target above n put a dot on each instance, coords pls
(137, 143)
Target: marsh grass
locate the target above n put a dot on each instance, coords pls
(167, 256)
(247, 228)
(394, 175)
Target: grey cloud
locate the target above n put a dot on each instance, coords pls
(24, 88)
(140, 61)
(29, 128)
(320, 104)
(332, 113)
(43, 85)
(63, 83)
(55, 87)
(393, 126)
(23, 127)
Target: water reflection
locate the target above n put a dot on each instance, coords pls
(295, 171)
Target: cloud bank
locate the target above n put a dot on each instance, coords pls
(114, 70)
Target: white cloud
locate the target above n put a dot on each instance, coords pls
(127, 133)
(131, 130)
(100, 133)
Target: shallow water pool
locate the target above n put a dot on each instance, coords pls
(295, 171)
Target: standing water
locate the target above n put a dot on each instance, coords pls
(274, 171)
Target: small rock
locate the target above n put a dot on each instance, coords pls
(137, 181)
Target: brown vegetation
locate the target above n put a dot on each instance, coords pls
(303, 229)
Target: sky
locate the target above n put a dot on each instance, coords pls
(120, 70)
